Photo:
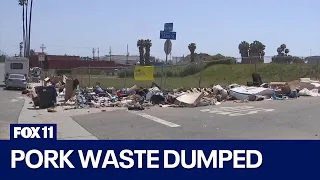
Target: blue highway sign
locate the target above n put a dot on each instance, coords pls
(168, 27)
(168, 35)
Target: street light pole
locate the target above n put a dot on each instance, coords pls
(42, 47)
(310, 52)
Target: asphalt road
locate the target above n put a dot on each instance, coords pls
(11, 103)
(288, 119)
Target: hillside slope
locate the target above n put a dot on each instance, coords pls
(217, 74)
(241, 73)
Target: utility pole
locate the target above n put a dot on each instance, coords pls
(42, 47)
(127, 60)
(310, 52)
(93, 52)
(98, 53)
(110, 53)
(126, 66)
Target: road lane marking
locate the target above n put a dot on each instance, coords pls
(236, 111)
(155, 119)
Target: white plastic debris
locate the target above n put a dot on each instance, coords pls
(307, 92)
(216, 89)
(233, 86)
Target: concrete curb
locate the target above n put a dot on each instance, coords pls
(67, 128)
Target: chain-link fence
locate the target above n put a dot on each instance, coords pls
(203, 74)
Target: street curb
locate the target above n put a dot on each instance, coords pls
(67, 128)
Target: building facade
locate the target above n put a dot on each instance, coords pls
(121, 59)
(313, 59)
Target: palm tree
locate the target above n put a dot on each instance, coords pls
(140, 45)
(32, 52)
(22, 4)
(283, 47)
(286, 51)
(192, 48)
(147, 45)
(257, 51)
(260, 50)
(279, 50)
(244, 48)
(29, 35)
(21, 49)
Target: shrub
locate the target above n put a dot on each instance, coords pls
(169, 74)
(227, 61)
(157, 74)
(125, 73)
(190, 70)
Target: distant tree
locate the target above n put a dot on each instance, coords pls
(29, 28)
(2, 57)
(192, 48)
(244, 48)
(26, 28)
(252, 53)
(147, 44)
(32, 52)
(256, 52)
(23, 4)
(20, 49)
(297, 60)
(140, 45)
(283, 56)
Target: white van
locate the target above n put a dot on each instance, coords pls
(16, 65)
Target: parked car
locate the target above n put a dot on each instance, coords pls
(16, 81)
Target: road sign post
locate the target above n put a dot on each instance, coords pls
(168, 34)
(167, 47)
(168, 27)
(41, 57)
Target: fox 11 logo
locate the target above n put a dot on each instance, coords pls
(33, 131)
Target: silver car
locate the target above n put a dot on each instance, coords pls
(16, 81)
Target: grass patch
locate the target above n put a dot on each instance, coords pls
(217, 74)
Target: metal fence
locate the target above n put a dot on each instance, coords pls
(194, 75)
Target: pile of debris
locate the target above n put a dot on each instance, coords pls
(137, 98)
(274, 90)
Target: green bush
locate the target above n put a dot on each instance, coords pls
(187, 71)
(169, 74)
(227, 61)
(125, 73)
(157, 74)
(190, 70)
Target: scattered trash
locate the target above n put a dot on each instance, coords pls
(51, 110)
(307, 92)
(249, 93)
(137, 98)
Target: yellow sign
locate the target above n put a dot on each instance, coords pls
(143, 73)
